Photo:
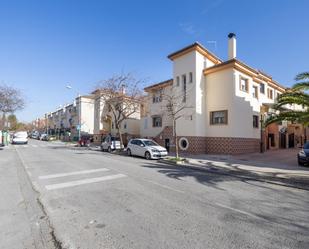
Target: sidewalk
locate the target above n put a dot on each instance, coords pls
(271, 165)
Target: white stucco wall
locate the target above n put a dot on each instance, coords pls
(194, 121)
(87, 115)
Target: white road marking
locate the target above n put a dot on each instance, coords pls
(164, 186)
(238, 211)
(72, 173)
(33, 145)
(82, 182)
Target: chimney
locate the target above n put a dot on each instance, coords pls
(232, 46)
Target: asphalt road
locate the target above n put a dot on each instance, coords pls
(91, 199)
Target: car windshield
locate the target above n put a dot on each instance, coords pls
(150, 143)
(20, 135)
(306, 146)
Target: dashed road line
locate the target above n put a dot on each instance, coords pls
(73, 173)
(82, 182)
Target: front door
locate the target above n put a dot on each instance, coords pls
(167, 144)
(291, 140)
(282, 141)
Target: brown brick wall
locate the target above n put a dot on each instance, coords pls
(211, 145)
(231, 145)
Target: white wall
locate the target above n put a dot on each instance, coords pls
(194, 121)
(87, 115)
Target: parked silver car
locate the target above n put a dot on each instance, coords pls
(110, 143)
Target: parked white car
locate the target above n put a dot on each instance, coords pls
(20, 137)
(110, 143)
(146, 148)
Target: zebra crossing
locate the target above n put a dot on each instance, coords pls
(82, 181)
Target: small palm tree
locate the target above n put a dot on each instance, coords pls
(297, 95)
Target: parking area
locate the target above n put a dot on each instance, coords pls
(281, 159)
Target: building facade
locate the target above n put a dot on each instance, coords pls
(72, 120)
(226, 104)
(104, 120)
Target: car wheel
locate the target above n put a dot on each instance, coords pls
(300, 163)
(129, 152)
(109, 149)
(147, 155)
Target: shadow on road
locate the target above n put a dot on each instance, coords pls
(212, 174)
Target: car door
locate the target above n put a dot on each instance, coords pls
(132, 147)
(140, 148)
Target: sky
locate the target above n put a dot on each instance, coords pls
(47, 45)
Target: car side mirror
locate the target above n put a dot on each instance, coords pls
(142, 145)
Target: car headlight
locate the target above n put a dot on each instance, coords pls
(154, 150)
(302, 153)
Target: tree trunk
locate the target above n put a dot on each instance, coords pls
(2, 121)
(120, 136)
(176, 140)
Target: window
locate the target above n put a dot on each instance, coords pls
(262, 88)
(125, 126)
(243, 84)
(157, 96)
(184, 85)
(177, 81)
(255, 92)
(156, 121)
(218, 117)
(255, 121)
(270, 93)
(183, 143)
(190, 77)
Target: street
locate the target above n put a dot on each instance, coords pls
(79, 198)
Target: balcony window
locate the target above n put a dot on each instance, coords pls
(270, 93)
(243, 84)
(262, 88)
(177, 81)
(255, 92)
(156, 121)
(190, 77)
(157, 96)
(218, 117)
(255, 121)
(184, 85)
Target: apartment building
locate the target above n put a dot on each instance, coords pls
(68, 120)
(104, 120)
(226, 100)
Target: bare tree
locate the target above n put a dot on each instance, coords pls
(122, 95)
(11, 100)
(175, 104)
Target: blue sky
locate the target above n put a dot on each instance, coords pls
(44, 45)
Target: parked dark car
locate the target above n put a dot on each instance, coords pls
(303, 155)
(85, 140)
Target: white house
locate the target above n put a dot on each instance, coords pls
(227, 101)
(104, 120)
